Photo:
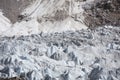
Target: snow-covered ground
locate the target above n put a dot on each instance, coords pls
(4, 24)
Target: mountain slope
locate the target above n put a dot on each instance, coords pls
(47, 16)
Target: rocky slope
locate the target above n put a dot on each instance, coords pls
(92, 13)
(13, 8)
(102, 12)
(59, 15)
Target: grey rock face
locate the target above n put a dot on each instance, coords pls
(102, 12)
(13, 8)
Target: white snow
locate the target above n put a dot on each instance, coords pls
(5, 24)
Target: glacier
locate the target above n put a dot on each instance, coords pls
(59, 40)
(81, 55)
